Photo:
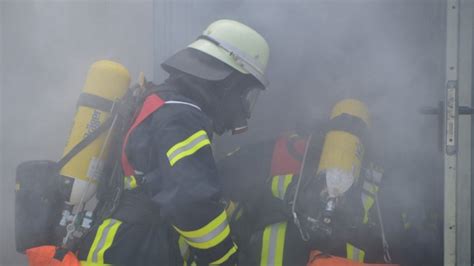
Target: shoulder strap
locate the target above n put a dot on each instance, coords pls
(184, 103)
(152, 103)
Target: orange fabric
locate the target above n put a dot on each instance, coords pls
(317, 259)
(44, 256)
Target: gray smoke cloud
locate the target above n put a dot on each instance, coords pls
(47, 48)
(389, 54)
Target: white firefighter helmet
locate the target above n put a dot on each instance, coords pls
(225, 46)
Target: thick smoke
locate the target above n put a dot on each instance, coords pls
(389, 54)
(47, 48)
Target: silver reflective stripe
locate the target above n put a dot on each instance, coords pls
(219, 229)
(183, 248)
(356, 254)
(248, 63)
(281, 186)
(185, 103)
(102, 240)
(187, 147)
(272, 244)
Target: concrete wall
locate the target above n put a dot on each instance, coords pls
(46, 49)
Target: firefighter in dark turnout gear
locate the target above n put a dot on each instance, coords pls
(265, 189)
(172, 192)
(263, 222)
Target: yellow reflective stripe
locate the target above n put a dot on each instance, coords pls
(212, 241)
(280, 184)
(109, 239)
(273, 244)
(209, 235)
(205, 229)
(130, 182)
(280, 244)
(349, 251)
(88, 263)
(97, 239)
(224, 258)
(354, 253)
(275, 180)
(188, 146)
(368, 202)
(265, 244)
(103, 240)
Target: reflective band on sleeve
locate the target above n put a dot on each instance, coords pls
(130, 182)
(103, 240)
(370, 187)
(273, 244)
(368, 202)
(227, 255)
(354, 253)
(183, 249)
(185, 252)
(188, 146)
(88, 263)
(210, 235)
(280, 184)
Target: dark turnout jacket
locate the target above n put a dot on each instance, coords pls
(175, 191)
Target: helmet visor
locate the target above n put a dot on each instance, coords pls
(249, 100)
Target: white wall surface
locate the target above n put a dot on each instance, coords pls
(46, 49)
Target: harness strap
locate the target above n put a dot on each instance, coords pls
(152, 103)
(84, 142)
(95, 102)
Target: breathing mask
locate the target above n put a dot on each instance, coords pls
(236, 99)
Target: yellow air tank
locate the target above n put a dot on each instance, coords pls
(107, 81)
(343, 148)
